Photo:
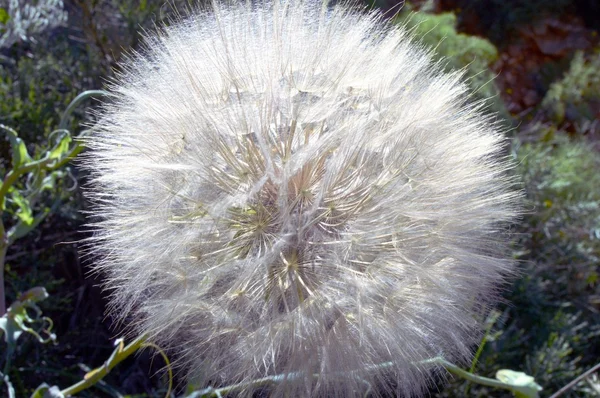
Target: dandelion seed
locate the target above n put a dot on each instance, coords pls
(292, 188)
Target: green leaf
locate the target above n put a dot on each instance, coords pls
(4, 17)
(25, 213)
(61, 148)
(20, 156)
(46, 391)
(524, 385)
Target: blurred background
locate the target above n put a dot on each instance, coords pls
(537, 62)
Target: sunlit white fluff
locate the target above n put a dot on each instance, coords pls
(295, 188)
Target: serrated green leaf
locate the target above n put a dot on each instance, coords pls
(524, 385)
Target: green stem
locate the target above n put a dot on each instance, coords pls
(64, 120)
(13, 175)
(491, 321)
(480, 348)
(484, 381)
(119, 355)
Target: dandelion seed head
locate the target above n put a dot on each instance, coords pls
(294, 188)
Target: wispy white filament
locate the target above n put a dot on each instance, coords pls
(291, 187)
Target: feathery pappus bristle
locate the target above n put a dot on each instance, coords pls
(293, 188)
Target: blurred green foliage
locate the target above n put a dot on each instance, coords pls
(472, 54)
(576, 97)
(563, 186)
(556, 303)
(37, 86)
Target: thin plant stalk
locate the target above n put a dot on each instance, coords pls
(573, 383)
(120, 354)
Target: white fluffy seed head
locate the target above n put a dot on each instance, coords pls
(296, 188)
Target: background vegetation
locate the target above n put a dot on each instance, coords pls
(538, 61)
